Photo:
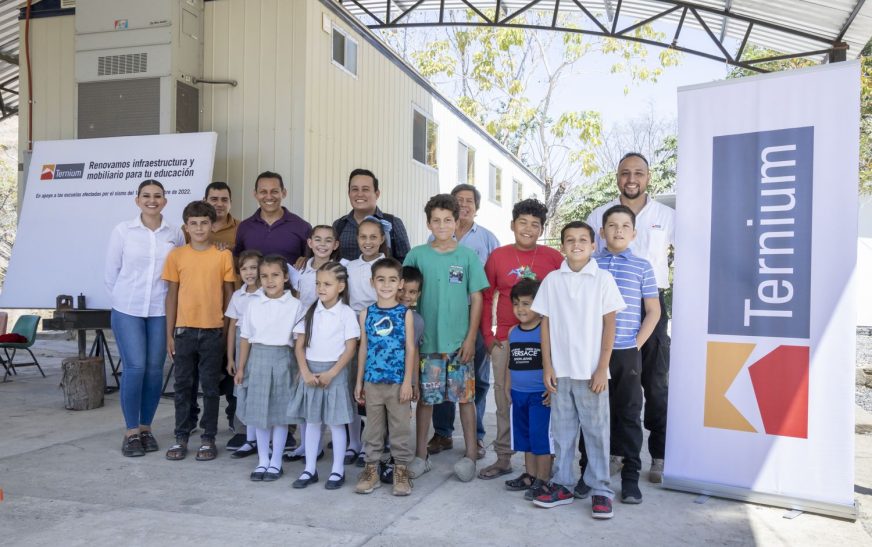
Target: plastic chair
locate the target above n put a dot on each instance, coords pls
(25, 326)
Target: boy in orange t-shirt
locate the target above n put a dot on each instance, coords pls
(200, 279)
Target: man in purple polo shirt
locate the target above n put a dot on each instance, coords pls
(272, 229)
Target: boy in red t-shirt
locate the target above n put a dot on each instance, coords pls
(507, 265)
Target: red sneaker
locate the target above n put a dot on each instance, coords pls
(601, 507)
(553, 495)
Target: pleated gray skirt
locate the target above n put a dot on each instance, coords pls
(330, 405)
(262, 399)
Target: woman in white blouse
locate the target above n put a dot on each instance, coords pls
(134, 262)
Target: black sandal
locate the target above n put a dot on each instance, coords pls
(334, 484)
(179, 450)
(523, 482)
(351, 456)
(305, 480)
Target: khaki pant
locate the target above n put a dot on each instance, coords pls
(500, 362)
(385, 413)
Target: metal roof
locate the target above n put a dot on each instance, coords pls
(812, 28)
(8, 58)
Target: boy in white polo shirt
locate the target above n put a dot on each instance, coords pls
(579, 303)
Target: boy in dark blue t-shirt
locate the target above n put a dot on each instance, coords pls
(531, 413)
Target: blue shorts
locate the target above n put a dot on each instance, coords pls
(444, 378)
(531, 423)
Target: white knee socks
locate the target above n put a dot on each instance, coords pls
(313, 442)
(279, 436)
(339, 440)
(262, 436)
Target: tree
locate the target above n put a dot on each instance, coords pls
(757, 52)
(506, 79)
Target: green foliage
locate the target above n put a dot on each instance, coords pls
(505, 79)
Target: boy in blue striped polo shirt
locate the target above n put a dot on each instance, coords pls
(635, 278)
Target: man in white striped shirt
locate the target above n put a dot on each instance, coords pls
(655, 230)
(636, 281)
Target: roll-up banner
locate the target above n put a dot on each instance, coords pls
(761, 382)
(77, 191)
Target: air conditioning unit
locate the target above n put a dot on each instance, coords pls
(136, 66)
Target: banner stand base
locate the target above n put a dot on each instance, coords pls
(741, 494)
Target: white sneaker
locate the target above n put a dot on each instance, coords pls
(418, 467)
(615, 464)
(656, 474)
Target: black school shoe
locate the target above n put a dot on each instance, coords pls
(240, 453)
(236, 442)
(334, 484)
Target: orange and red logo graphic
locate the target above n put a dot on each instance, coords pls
(47, 172)
(780, 384)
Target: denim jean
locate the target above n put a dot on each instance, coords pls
(443, 413)
(142, 345)
(201, 350)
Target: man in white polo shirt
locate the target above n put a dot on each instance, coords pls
(655, 234)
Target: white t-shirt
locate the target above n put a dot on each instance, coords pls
(239, 303)
(331, 327)
(303, 281)
(575, 303)
(655, 233)
(270, 321)
(361, 293)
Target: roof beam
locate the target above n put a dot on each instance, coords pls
(648, 20)
(728, 4)
(847, 25)
(10, 58)
(711, 34)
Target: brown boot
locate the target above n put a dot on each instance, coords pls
(402, 482)
(368, 480)
(438, 443)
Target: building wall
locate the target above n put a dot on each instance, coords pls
(260, 44)
(52, 59)
(296, 112)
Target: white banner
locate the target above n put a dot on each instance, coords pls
(761, 384)
(76, 192)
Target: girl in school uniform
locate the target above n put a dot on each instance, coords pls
(323, 247)
(247, 265)
(372, 240)
(326, 342)
(266, 365)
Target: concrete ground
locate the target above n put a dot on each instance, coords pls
(65, 482)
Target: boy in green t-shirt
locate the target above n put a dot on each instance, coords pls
(450, 304)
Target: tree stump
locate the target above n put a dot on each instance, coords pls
(83, 383)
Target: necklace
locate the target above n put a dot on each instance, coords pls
(525, 271)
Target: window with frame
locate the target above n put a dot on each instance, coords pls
(424, 139)
(517, 191)
(465, 164)
(344, 51)
(495, 184)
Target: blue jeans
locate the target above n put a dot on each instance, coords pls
(443, 413)
(142, 343)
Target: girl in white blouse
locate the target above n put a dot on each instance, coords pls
(134, 262)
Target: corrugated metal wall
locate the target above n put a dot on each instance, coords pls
(363, 121)
(259, 43)
(52, 59)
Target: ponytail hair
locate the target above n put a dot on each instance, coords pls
(335, 255)
(385, 247)
(281, 262)
(341, 274)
